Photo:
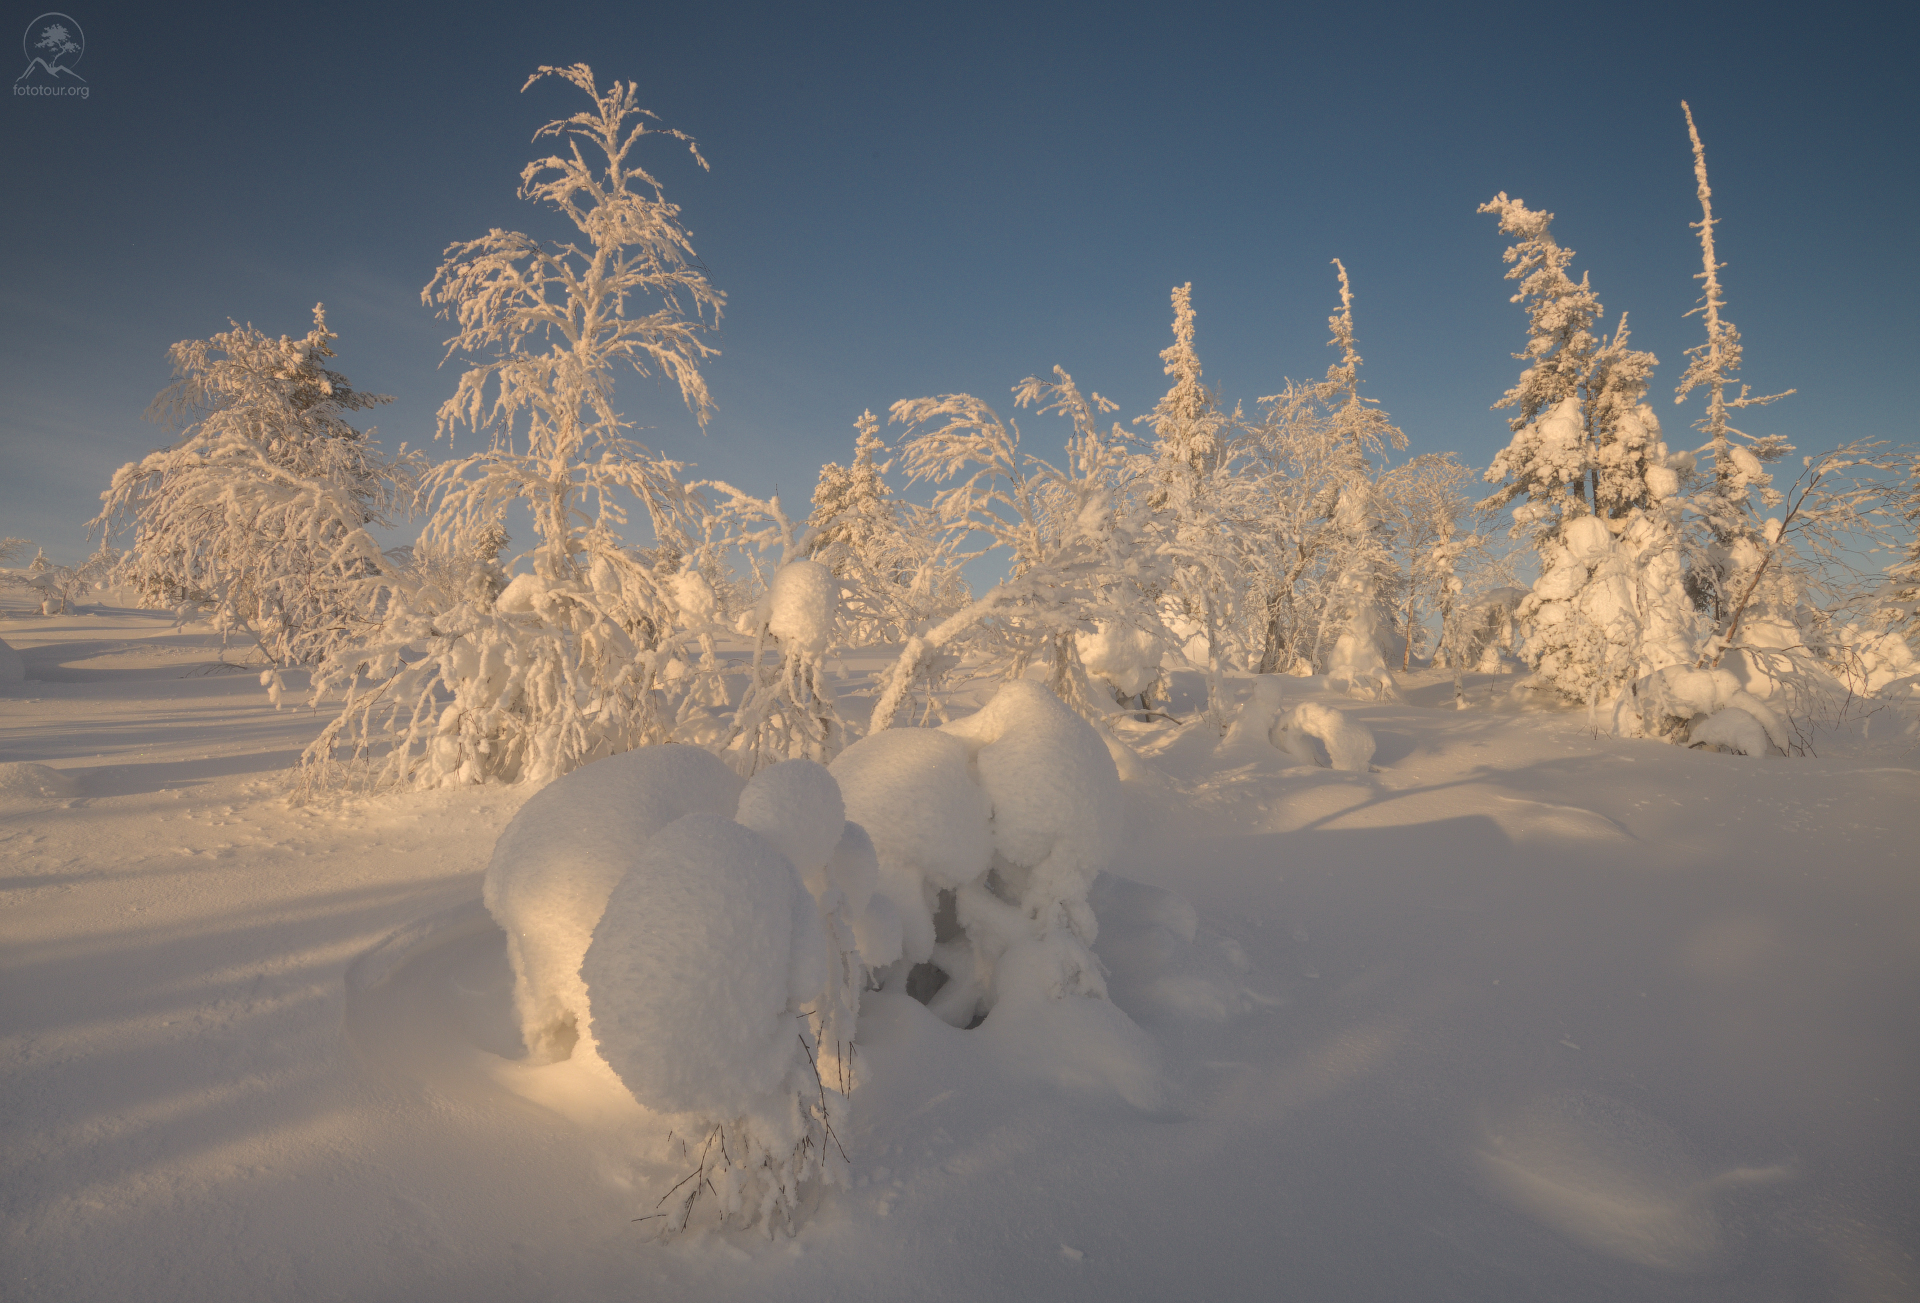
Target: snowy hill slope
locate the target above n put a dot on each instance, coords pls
(1521, 1013)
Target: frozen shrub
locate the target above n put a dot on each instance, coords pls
(693, 936)
(914, 793)
(1349, 743)
(555, 864)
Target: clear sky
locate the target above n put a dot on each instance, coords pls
(918, 199)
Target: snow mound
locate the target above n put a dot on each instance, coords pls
(800, 607)
(1349, 743)
(555, 865)
(1159, 964)
(1084, 1045)
(695, 965)
(913, 791)
(796, 805)
(24, 781)
(12, 668)
(1731, 729)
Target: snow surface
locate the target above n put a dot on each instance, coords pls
(1520, 1013)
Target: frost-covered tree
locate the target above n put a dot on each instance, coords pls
(1081, 552)
(1579, 420)
(259, 515)
(1314, 449)
(1610, 604)
(787, 710)
(1200, 499)
(852, 505)
(896, 559)
(1726, 576)
(1187, 421)
(570, 661)
(1426, 509)
(1901, 598)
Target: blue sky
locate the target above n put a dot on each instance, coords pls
(909, 200)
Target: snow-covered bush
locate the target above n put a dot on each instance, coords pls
(1677, 702)
(587, 654)
(1349, 743)
(696, 938)
(1125, 658)
(555, 864)
(259, 516)
(1000, 820)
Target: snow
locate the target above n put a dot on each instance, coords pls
(552, 870)
(797, 807)
(1349, 745)
(1126, 657)
(914, 793)
(22, 780)
(703, 950)
(1733, 729)
(801, 602)
(12, 668)
(1520, 1012)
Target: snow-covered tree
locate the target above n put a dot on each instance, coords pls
(1726, 575)
(896, 559)
(1314, 449)
(1200, 499)
(1081, 552)
(568, 663)
(852, 505)
(787, 710)
(1901, 598)
(1426, 509)
(1580, 441)
(259, 515)
(1611, 603)
(1187, 421)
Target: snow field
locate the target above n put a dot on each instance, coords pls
(1518, 1013)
